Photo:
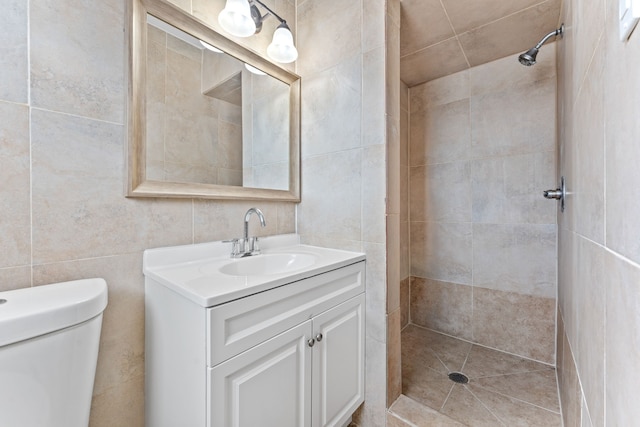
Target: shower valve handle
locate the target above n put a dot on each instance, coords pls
(557, 194)
(553, 194)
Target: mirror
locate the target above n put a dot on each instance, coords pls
(208, 118)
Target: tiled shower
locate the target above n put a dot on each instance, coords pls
(482, 239)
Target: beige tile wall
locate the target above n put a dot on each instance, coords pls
(599, 249)
(347, 165)
(64, 214)
(482, 237)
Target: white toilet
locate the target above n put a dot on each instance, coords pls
(49, 338)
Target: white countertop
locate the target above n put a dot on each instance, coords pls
(193, 270)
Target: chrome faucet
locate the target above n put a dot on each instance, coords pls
(247, 246)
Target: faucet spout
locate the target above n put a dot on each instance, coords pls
(247, 216)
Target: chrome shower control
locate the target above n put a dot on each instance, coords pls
(558, 194)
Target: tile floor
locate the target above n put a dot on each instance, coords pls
(503, 390)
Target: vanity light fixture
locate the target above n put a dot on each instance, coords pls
(242, 18)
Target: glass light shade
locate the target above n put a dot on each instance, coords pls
(236, 18)
(281, 48)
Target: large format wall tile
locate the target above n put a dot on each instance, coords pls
(517, 324)
(440, 134)
(78, 206)
(442, 251)
(509, 189)
(442, 306)
(339, 32)
(529, 127)
(515, 258)
(441, 192)
(332, 108)
(15, 191)
(14, 59)
(622, 341)
(77, 61)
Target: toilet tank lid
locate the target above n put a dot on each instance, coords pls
(30, 312)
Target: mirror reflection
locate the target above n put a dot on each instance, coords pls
(210, 118)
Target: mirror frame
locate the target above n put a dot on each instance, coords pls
(137, 183)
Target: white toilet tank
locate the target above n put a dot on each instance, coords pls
(49, 338)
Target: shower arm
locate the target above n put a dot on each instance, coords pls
(557, 32)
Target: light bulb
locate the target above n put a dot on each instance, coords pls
(281, 48)
(236, 18)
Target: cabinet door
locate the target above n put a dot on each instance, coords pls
(338, 363)
(267, 386)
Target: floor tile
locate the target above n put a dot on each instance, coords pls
(464, 407)
(503, 389)
(412, 413)
(514, 413)
(485, 362)
(538, 388)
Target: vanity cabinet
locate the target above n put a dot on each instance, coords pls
(291, 356)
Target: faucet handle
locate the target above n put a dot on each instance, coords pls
(237, 246)
(254, 246)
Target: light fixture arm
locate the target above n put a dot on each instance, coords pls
(271, 12)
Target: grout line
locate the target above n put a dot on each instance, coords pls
(485, 406)
(517, 399)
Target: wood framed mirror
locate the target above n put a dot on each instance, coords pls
(207, 118)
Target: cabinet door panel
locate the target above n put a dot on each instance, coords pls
(267, 386)
(338, 363)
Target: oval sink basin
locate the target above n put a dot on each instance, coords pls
(267, 264)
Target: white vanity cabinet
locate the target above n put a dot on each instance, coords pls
(290, 356)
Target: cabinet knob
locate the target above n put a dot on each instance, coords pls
(319, 337)
(311, 342)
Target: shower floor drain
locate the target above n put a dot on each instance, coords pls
(459, 378)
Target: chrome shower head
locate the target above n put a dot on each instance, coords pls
(529, 57)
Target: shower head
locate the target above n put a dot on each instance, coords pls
(529, 57)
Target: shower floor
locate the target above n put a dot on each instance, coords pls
(503, 390)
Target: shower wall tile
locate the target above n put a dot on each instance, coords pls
(405, 301)
(426, 26)
(15, 56)
(373, 20)
(373, 199)
(440, 134)
(570, 392)
(622, 341)
(405, 250)
(517, 258)
(588, 27)
(419, 67)
(517, 324)
(441, 192)
(528, 128)
(393, 263)
(15, 207)
(77, 64)
(442, 306)
(442, 251)
(622, 133)
(445, 90)
(590, 342)
(376, 296)
(588, 184)
(482, 43)
(508, 74)
(508, 189)
(394, 355)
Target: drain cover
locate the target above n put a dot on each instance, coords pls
(459, 378)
